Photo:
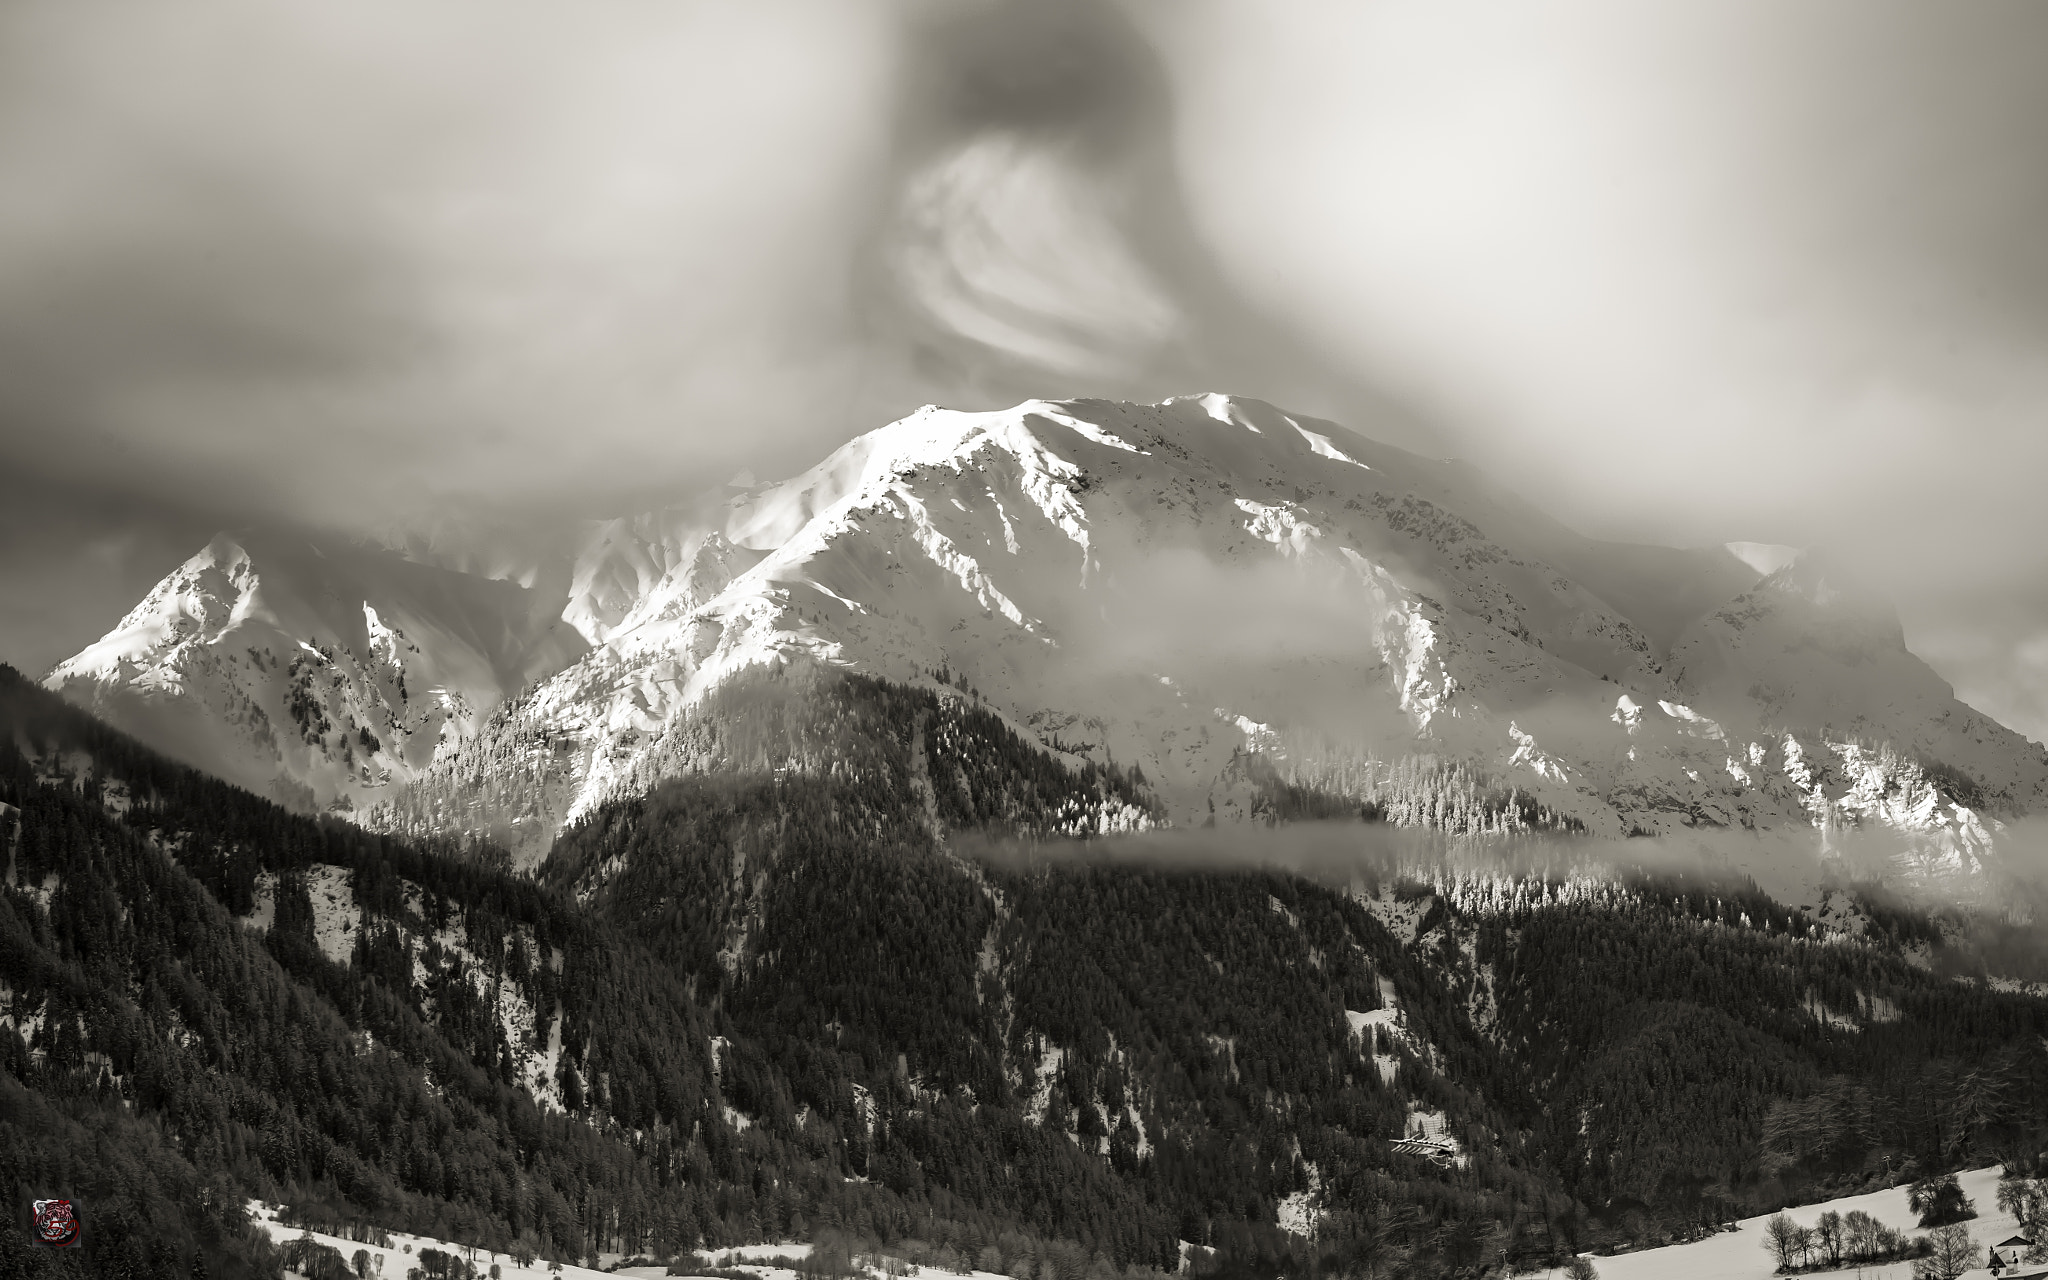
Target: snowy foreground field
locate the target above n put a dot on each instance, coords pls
(1740, 1255)
(1737, 1255)
(405, 1249)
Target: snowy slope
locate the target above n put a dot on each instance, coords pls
(319, 674)
(1814, 653)
(1174, 584)
(393, 1260)
(1742, 1254)
(1178, 567)
(625, 565)
(1169, 585)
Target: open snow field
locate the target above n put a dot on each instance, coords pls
(405, 1249)
(1741, 1255)
(1737, 1255)
(750, 1257)
(397, 1259)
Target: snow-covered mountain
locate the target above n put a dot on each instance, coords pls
(319, 674)
(1186, 585)
(1178, 585)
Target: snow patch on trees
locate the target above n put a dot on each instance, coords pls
(1050, 1059)
(1300, 1211)
(263, 911)
(1401, 915)
(337, 920)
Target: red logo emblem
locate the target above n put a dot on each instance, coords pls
(57, 1223)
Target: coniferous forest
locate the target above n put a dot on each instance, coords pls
(787, 985)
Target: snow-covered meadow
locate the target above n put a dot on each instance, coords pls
(403, 1253)
(391, 1262)
(1741, 1255)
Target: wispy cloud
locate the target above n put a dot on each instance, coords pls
(1692, 272)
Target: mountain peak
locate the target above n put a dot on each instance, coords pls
(1172, 586)
(1765, 558)
(316, 673)
(1823, 580)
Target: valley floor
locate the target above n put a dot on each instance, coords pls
(403, 1252)
(1741, 1255)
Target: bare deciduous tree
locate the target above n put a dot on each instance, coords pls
(1954, 1253)
(1781, 1237)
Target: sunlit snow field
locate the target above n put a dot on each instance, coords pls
(404, 1250)
(1741, 1255)
(1737, 1255)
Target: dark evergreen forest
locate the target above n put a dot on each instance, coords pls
(778, 990)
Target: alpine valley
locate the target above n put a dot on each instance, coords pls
(1072, 841)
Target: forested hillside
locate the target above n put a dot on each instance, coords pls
(386, 1085)
(788, 989)
(1624, 1062)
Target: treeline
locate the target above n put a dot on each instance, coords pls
(1835, 1239)
(1430, 791)
(1184, 1034)
(1694, 1049)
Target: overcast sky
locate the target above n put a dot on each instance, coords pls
(1684, 272)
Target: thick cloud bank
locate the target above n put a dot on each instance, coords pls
(1692, 272)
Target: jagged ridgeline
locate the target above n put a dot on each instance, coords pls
(760, 999)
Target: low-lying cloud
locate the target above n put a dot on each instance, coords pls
(2006, 898)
